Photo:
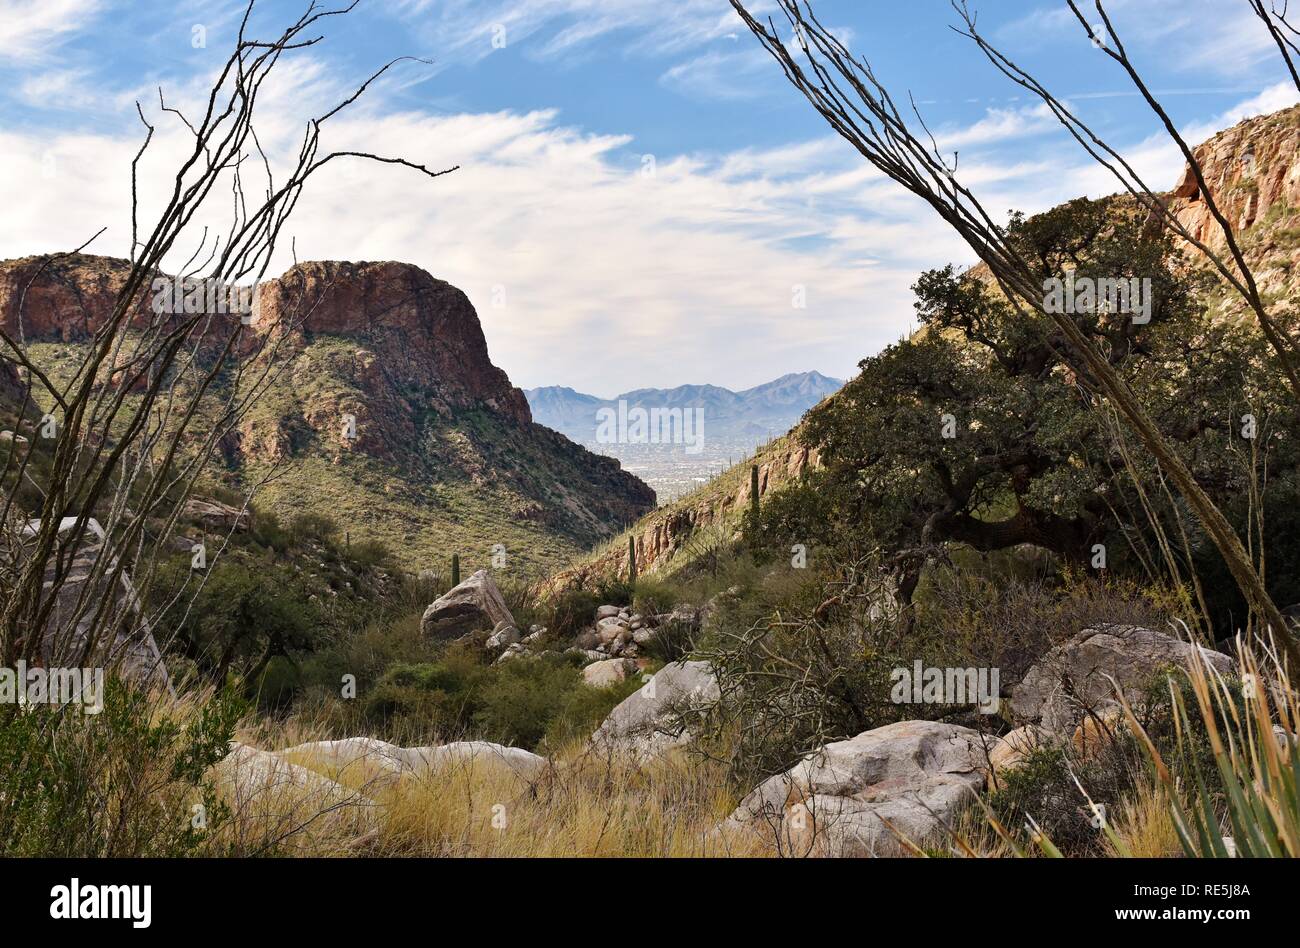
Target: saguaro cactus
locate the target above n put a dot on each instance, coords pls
(455, 569)
(631, 559)
(753, 489)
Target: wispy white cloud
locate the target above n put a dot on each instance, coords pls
(609, 277)
(33, 29)
(474, 29)
(720, 74)
(1200, 37)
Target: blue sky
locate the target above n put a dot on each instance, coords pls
(587, 269)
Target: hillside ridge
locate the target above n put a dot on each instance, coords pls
(386, 400)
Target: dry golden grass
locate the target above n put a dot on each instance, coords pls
(1145, 826)
(581, 804)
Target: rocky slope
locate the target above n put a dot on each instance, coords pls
(1253, 171)
(387, 413)
(663, 538)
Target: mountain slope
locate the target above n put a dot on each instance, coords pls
(386, 414)
(1253, 170)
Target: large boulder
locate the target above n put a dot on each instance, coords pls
(1074, 679)
(655, 718)
(122, 639)
(1013, 748)
(476, 603)
(273, 798)
(915, 776)
(477, 754)
(607, 673)
(354, 761)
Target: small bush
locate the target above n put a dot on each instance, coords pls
(572, 611)
(310, 525)
(654, 596)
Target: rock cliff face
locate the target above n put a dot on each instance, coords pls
(417, 331)
(1252, 170)
(64, 298)
(385, 410)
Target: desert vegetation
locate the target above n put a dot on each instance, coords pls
(1085, 523)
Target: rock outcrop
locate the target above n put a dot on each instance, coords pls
(656, 718)
(65, 298)
(856, 797)
(414, 332)
(476, 603)
(126, 643)
(355, 761)
(478, 754)
(276, 798)
(1074, 679)
(1250, 169)
(367, 762)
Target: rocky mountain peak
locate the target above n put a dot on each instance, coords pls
(416, 329)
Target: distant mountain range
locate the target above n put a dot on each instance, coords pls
(735, 419)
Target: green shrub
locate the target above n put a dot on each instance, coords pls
(121, 783)
(311, 525)
(583, 710)
(571, 611)
(653, 596)
(613, 590)
(278, 684)
(517, 704)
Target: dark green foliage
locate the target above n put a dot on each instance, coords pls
(121, 783)
(279, 682)
(525, 702)
(653, 596)
(455, 569)
(613, 591)
(977, 431)
(571, 611)
(270, 596)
